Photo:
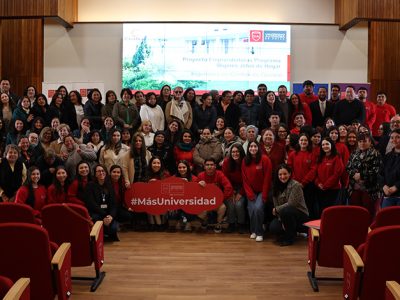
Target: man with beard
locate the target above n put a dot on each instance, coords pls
(370, 107)
(307, 95)
(284, 101)
(335, 94)
(321, 109)
(349, 109)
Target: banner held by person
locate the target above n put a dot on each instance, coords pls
(160, 196)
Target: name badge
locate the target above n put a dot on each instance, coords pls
(103, 206)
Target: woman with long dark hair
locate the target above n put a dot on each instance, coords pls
(124, 214)
(156, 171)
(113, 151)
(92, 108)
(328, 173)
(15, 132)
(290, 209)
(184, 172)
(76, 191)
(302, 162)
(31, 192)
(165, 96)
(184, 149)
(100, 202)
(256, 174)
(57, 192)
(134, 162)
(235, 206)
(6, 109)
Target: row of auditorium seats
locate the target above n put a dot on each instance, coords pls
(45, 253)
(368, 253)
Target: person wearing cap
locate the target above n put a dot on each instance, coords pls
(363, 168)
(307, 95)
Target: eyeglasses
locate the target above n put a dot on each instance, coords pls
(178, 92)
(395, 122)
(100, 171)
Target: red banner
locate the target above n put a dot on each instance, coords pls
(158, 197)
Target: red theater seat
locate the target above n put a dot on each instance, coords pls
(71, 223)
(16, 212)
(18, 291)
(340, 225)
(386, 217)
(25, 252)
(365, 276)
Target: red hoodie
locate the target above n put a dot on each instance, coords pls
(302, 164)
(257, 178)
(328, 172)
(220, 180)
(40, 196)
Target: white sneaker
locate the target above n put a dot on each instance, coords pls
(259, 238)
(253, 236)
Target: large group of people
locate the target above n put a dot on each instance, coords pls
(279, 159)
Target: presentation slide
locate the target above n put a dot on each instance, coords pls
(205, 56)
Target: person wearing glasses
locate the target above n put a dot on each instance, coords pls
(179, 109)
(100, 201)
(385, 146)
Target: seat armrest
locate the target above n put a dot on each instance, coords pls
(313, 246)
(394, 288)
(315, 234)
(97, 244)
(96, 229)
(353, 268)
(61, 264)
(355, 259)
(19, 291)
(60, 255)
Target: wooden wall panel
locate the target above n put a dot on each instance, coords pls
(379, 10)
(22, 52)
(28, 8)
(64, 11)
(384, 59)
(350, 12)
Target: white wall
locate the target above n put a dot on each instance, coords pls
(92, 52)
(271, 11)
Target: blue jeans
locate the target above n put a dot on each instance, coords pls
(390, 201)
(256, 213)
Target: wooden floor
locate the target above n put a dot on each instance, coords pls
(149, 265)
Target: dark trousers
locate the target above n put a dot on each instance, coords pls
(110, 230)
(325, 199)
(289, 222)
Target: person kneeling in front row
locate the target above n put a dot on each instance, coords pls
(290, 209)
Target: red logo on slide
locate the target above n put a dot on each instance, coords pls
(256, 35)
